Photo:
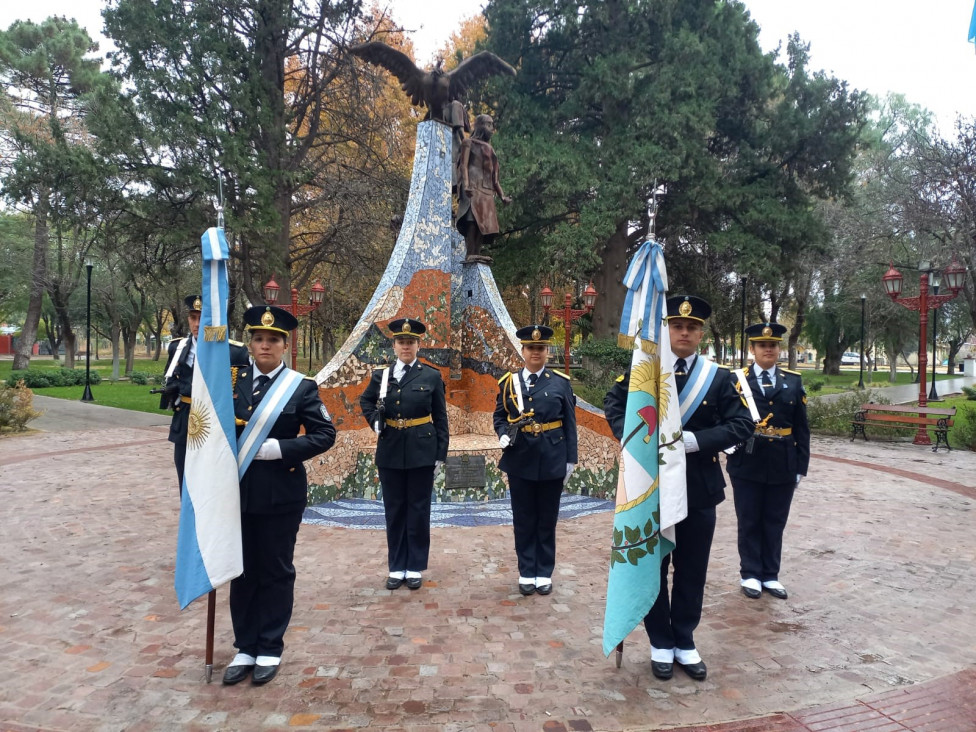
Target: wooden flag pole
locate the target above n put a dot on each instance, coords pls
(211, 613)
(620, 653)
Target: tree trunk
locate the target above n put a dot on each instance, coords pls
(609, 284)
(28, 334)
(115, 333)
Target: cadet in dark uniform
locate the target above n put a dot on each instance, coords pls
(535, 420)
(715, 418)
(274, 491)
(406, 407)
(178, 383)
(766, 470)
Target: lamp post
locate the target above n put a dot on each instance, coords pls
(568, 313)
(315, 297)
(742, 337)
(955, 276)
(87, 396)
(935, 280)
(860, 378)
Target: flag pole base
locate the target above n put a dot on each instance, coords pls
(620, 654)
(208, 674)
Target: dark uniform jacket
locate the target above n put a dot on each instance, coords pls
(419, 393)
(180, 384)
(777, 460)
(721, 421)
(540, 456)
(278, 486)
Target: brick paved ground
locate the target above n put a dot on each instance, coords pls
(878, 633)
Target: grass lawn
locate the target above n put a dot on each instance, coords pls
(102, 366)
(122, 394)
(847, 380)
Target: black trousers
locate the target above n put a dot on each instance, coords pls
(406, 504)
(762, 510)
(674, 616)
(535, 511)
(261, 599)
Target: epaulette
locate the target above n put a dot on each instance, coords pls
(787, 371)
(620, 379)
(177, 340)
(237, 343)
(723, 366)
(505, 376)
(311, 378)
(559, 373)
(382, 366)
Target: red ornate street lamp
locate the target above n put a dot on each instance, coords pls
(955, 277)
(315, 298)
(568, 313)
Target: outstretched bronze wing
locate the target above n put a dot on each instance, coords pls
(412, 80)
(473, 69)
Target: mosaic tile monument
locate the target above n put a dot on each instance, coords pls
(470, 338)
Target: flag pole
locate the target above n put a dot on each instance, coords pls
(212, 595)
(620, 653)
(211, 614)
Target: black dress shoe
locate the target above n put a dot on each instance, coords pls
(697, 671)
(526, 589)
(777, 592)
(414, 582)
(751, 592)
(393, 583)
(263, 674)
(236, 674)
(544, 589)
(662, 670)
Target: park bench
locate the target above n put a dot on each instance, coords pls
(904, 417)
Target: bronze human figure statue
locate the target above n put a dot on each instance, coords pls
(477, 175)
(434, 89)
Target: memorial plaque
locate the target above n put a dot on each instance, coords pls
(465, 471)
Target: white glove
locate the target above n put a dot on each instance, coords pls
(570, 467)
(798, 478)
(269, 450)
(690, 441)
(504, 441)
(438, 467)
(377, 428)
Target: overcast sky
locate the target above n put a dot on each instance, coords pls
(918, 49)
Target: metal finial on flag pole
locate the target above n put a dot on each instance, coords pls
(220, 203)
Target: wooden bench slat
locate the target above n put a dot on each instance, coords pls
(902, 409)
(889, 418)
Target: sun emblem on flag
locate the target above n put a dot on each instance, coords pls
(198, 427)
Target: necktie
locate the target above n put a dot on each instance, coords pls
(261, 382)
(532, 379)
(399, 371)
(766, 381)
(680, 367)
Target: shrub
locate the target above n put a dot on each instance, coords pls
(137, 377)
(16, 407)
(32, 379)
(963, 432)
(832, 415)
(970, 393)
(608, 357)
(815, 384)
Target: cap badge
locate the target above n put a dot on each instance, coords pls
(406, 326)
(767, 331)
(267, 318)
(684, 310)
(198, 304)
(536, 334)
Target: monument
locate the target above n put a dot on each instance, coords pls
(470, 338)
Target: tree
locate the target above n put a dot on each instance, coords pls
(44, 72)
(595, 123)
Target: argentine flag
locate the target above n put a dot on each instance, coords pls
(208, 548)
(651, 490)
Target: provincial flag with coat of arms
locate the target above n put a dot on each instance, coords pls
(651, 489)
(208, 547)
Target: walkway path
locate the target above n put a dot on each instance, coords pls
(877, 635)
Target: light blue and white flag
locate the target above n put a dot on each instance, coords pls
(651, 492)
(208, 549)
(972, 25)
